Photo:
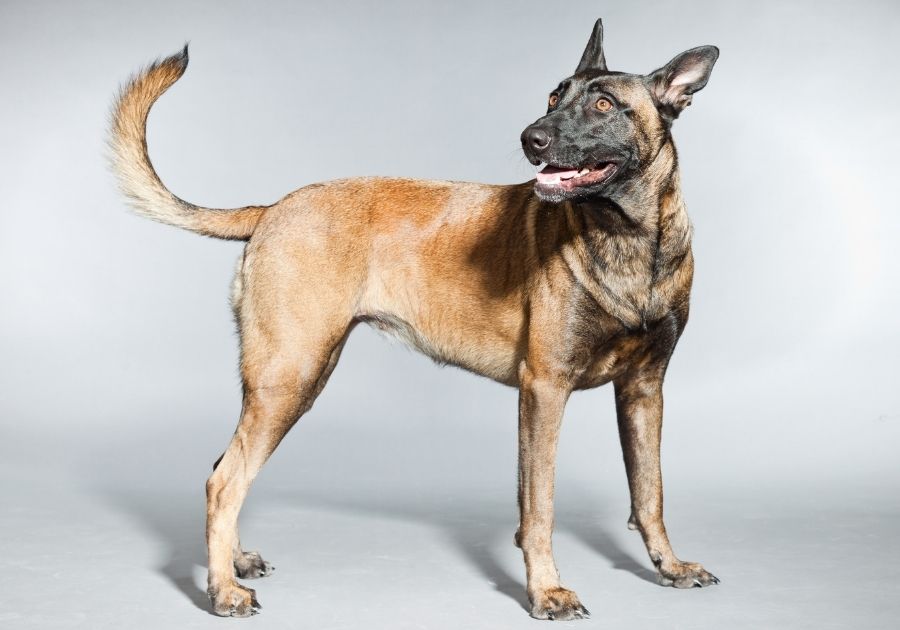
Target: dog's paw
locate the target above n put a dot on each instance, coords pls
(233, 600)
(251, 565)
(686, 575)
(558, 604)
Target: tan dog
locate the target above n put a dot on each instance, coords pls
(576, 280)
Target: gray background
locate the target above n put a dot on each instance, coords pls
(392, 503)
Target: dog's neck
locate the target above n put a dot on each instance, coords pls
(635, 204)
(632, 252)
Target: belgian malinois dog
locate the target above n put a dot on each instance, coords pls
(578, 278)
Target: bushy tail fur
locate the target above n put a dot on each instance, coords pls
(138, 180)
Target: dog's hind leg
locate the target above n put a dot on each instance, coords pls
(283, 373)
(639, 406)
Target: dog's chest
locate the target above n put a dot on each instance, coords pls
(613, 327)
(615, 354)
(634, 280)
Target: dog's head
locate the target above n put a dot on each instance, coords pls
(603, 128)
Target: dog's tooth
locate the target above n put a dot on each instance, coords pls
(584, 171)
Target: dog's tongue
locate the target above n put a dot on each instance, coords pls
(553, 175)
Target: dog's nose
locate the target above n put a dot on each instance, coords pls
(536, 139)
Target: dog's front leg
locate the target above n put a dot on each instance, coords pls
(541, 403)
(639, 406)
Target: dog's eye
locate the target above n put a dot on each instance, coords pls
(604, 105)
(553, 100)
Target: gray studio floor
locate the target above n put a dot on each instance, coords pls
(86, 550)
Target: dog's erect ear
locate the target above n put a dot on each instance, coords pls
(673, 84)
(592, 58)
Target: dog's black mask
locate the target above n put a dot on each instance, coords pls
(603, 128)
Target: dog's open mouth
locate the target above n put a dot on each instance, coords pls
(554, 178)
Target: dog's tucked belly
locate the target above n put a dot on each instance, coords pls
(500, 359)
(496, 359)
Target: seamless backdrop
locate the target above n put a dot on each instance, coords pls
(392, 503)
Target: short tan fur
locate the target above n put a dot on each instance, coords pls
(545, 297)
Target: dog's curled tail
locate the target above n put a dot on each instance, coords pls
(137, 178)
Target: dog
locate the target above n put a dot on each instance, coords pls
(575, 279)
